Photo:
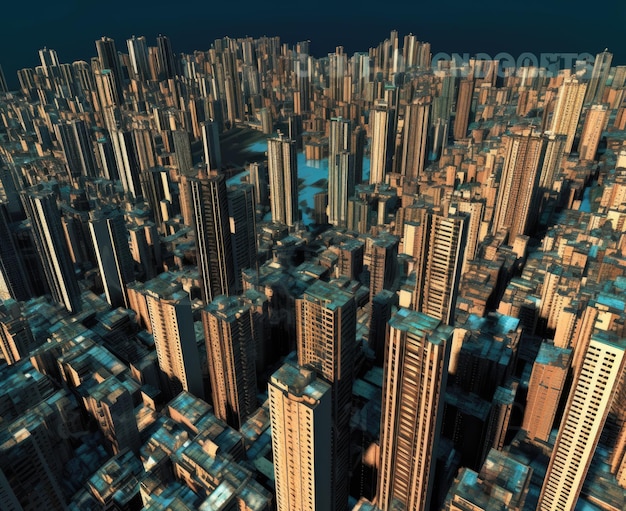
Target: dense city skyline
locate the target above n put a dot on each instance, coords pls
(259, 277)
(494, 27)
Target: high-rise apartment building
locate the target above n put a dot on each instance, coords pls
(211, 145)
(595, 123)
(341, 172)
(241, 210)
(12, 272)
(325, 331)
(595, 384)
(545, 387)
(599, 76)
(463, 108)
(439, 248)
(110, 241)
(283, 173)
(414, 383)
(301, 419)
(138, 53)
(569, 104)
(381, 134)
(41, 207)
(213, 238)
(231, 343)
(77, 148)
(415, 137)
(109, 59)
(514, 209)
(174, 335)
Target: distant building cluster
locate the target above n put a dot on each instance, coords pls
(445, 331)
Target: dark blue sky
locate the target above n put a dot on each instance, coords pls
(72, 26)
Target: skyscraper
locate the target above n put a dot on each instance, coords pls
(594, 387)
(599, 76)
(463, 107)
(341, 174)
(514, 209)
(110, 241)
(41, 207)
(439, 243)
(283, 172)
(414, 137)
(325, 332)
(77, 148)
(138, 53)
(167, 63)
(546, 384)
(174, 335)
(241, 210)
(569, 104)
(301, 419)
(109, 59)
(595, 123)
(211, 145)
(231, 350)
(414, 383)
(12, 272)
(381, 134)
(213, 239)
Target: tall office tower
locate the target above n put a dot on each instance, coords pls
(123, 144)
(167, 63)
(182, 151)
(48, 59)
(338, 75)
(211, 145)
(599, 76)
(381, 134)
(301, 419)
(514, 208)
(241, 210)
(77, 148)
(595, 124)
(325, 332)
(13, 276)
(110, 242)
(174, 335)
(41, 207)
(357, 145)
(16, 337)
(380, 257)
(463, 108)
(569, 104)
(111, 405)
(231, 340)
(259, 178)
(595, 385)
(109, 59)
(283, 172)
(138, 53)
(340, 184)
(415, 137)
(439, 252)
(475, 211)
(545, 387)
(555, 147)
(414, 383)
(213, 239)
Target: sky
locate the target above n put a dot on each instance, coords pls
(71, 26)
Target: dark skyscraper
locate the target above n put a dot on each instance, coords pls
(109, 59)
(41, 207)
(213, 240)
